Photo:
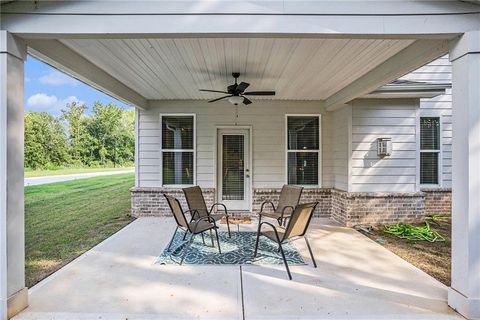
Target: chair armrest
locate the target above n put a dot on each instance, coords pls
(218, 205)
(273, 227)
(285, 209)
(267, 202)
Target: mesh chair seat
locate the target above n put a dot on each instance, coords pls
(201, 226)
(271, 234)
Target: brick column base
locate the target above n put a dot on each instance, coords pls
(438, 201)
(352, 208)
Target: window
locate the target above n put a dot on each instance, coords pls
(178, 149)
(429, 150)
(303, 150)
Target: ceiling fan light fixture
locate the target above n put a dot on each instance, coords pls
(235, 100)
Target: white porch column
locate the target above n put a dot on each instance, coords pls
(13, 294)
(464, 294)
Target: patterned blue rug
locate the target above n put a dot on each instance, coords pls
(235, 250)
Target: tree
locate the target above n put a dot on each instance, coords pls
(45, 141)
(104, 127)
(104, 137)
(74, 116)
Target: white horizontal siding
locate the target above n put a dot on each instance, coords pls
(372, 119)
(341, 122)
(267, 119)
(439, 71)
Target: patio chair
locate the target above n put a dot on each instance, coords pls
(196, 203)
(296, 229)
(289, 198)
(194, 227)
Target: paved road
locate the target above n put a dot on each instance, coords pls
(51, 179)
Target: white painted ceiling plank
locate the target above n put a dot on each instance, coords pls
(298, 69)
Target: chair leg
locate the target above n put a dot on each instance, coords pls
(311, 253)
(184, 236)
(256, 245)
(258, 237)
(211, 238)
(218, 240)
(203, 238)
(285, 262)
(228, 226)
(187, 247)
(171, 240)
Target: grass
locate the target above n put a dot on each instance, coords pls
(65, 219)
(432, 257)
(57, 172)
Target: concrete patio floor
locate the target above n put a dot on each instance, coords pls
(356, 278)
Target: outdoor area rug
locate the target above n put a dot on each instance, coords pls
(235, 250)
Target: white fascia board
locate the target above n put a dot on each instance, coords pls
(414, 56)
(122, 19)
(344, 7)
(404, 95)
(56, 54)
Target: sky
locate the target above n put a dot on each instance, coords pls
(49, 90)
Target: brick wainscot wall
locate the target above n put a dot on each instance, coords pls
(347, 208)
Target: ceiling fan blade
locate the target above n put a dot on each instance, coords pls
(220, 98)
(260, 93)
(241, 87)
(246, 101)
(206, 90)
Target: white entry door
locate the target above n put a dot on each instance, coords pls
(233, 169)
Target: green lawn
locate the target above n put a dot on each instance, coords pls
(57, 172)
(65, 219)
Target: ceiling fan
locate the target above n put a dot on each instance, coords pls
(236, 92)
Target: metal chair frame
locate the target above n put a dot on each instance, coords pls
(285, 239)
(209, 212)
(282, 220)
(192, 231)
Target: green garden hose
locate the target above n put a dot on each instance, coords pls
(414, 233)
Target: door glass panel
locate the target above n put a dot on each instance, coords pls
(233, 167)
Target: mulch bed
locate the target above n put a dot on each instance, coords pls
(432, 257)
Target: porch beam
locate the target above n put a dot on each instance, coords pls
(13, 293)
(261, 18)
(58, 55)
(414, 56)
(464, 293)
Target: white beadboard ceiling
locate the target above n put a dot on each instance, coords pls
(298, 69)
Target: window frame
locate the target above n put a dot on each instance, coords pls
(319, 151)
(194, 150)
(438, 151)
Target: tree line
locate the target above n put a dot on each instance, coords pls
(103, 138)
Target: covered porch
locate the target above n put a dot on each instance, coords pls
(154, 56)
(356, 278)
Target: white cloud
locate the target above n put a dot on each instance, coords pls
(56, 78)
(41, 100)
(51, 104)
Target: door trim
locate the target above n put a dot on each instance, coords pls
(250, 160)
